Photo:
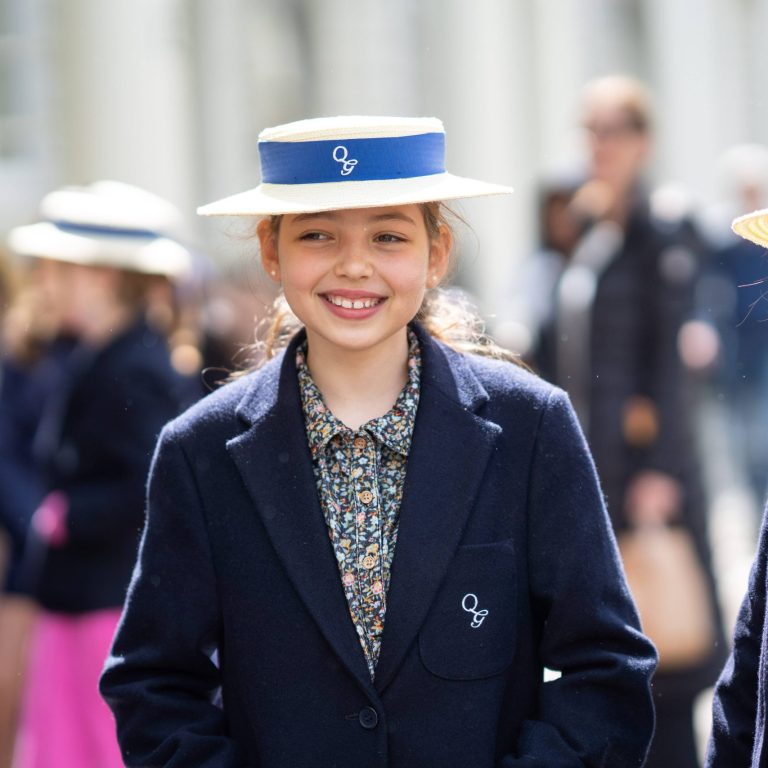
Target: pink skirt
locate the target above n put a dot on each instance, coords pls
(64, 722)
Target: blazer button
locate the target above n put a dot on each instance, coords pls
(368, 718)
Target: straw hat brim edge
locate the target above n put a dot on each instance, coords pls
(278, 199)
(753, 227)
(161, 256)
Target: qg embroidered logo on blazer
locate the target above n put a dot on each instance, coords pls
(470, 631)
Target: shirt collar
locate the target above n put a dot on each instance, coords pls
(394, 429)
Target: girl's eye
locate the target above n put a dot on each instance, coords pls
(388, 237)
(314, 236)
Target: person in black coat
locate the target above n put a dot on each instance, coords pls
(97, 255)
(740, 703)
(614, 343)
(500, 634)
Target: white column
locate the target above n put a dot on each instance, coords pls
(27, 163)
(477, 78)
(227, 110)
(124, 100)
(696, 63)
(753, 90)
(561, 65)
(608, 36)
(363, 57)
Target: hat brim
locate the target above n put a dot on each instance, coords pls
(753, 226)
(158, 256)
(277, 199)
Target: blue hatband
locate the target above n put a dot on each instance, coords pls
(75, 228)
(316, 162)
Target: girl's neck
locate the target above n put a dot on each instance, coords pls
(359, 385)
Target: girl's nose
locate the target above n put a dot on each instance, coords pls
(353, 261)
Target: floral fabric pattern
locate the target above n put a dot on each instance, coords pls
(360, 476)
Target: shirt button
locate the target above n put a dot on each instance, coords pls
(360, 443)
(369, 561)
(365, 496)
(368, 718)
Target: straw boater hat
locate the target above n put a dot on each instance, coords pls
(107, 224)
(753, 226)
(330, 163)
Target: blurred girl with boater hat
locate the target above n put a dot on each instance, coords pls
(99, 253)
(367, 551)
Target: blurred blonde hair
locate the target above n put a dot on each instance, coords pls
(447, 315)
(622, 92)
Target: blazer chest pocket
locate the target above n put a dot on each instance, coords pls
(470, 631)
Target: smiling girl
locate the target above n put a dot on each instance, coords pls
(367, 551)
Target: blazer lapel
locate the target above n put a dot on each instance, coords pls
(440, 487)
(275, 463)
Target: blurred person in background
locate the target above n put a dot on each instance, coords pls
(619, 308)
(103, 266)
(530, 305)
(739, 726)
(32, 353)
(232, 307)
(733, 298)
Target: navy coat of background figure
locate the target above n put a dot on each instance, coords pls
(24, 390)
(94, 444)
(237, 592)
(741, 700)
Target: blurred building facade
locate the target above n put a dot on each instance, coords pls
(171, 94)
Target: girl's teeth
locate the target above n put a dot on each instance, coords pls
(352, 304)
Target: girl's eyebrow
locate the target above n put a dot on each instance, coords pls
(315, 215)
(396, 215)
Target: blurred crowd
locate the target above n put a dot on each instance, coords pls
(110, 328)
(642, 306)
(649, 313)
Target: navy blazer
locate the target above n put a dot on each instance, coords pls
(738, 737)
(95, 444)
(236, 647)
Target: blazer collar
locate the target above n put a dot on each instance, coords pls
(442, 367)
(273, 458)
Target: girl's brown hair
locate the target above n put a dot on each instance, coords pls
(447, 315)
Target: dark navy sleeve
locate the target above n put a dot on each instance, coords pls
(599, 712)
(735, 705)
(109, 503)
(21, 482)
(162, 677)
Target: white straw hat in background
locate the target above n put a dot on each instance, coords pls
(330, 163)
(107, 223)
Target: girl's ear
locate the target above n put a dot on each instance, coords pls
(439, 256)
(268, 245)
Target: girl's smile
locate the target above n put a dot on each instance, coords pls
(353, 305)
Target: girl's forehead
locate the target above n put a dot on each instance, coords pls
(409, 214)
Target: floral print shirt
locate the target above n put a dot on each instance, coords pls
(360, 476)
